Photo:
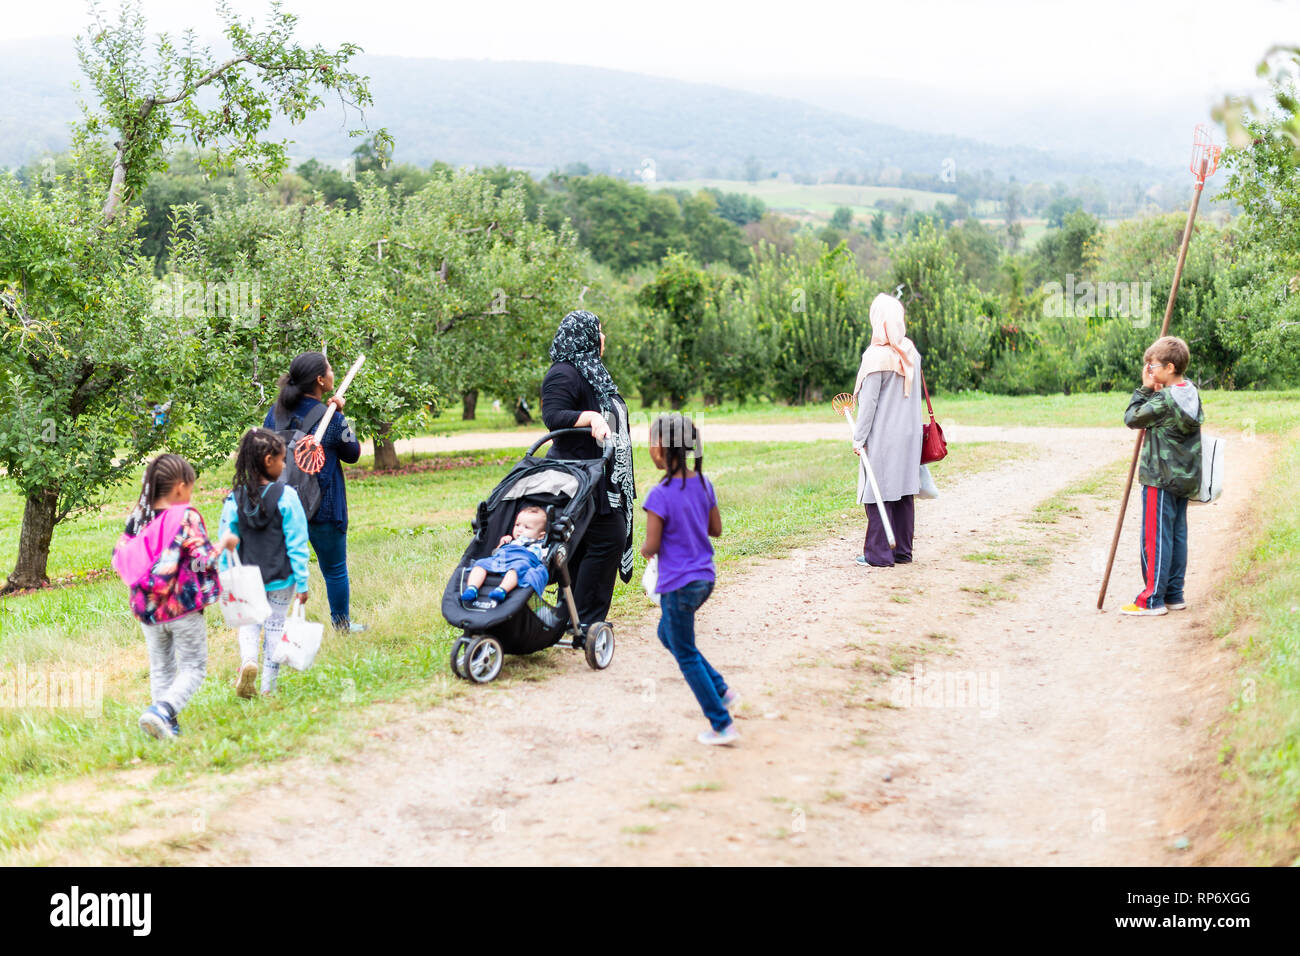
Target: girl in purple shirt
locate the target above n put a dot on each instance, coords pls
(681, 515)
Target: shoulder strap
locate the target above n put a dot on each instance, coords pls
(927, 394)
(314, 416)
(306, 424)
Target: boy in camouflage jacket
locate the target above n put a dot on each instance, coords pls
(1169, 408)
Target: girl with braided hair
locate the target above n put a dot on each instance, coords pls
(578, 392)
(167, 561)
(265, 519)
(681, 515)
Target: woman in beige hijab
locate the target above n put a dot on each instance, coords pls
(888, 431)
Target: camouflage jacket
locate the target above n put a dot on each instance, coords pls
(1171, 456)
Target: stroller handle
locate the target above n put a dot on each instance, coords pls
(551, 436)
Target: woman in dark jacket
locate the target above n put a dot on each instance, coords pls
(579, 393)
(299, 406)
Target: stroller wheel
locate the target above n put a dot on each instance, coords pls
(483, 658)
(458, 656)
(599, 645)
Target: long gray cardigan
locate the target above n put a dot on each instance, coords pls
(889, 424)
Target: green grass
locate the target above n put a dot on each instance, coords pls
(406, 533)
(1261, 615)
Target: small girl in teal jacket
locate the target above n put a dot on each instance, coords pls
(269, 529)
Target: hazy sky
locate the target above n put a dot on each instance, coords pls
(1048, 47)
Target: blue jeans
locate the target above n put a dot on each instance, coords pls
(677, 633)
(1164, 548)
(331, 547)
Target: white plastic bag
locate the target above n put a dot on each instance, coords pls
(243, 596)
(1211, 469)
(929, 489)
(301, 639)
(650, 578)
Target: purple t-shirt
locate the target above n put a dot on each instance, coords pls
(686, 553)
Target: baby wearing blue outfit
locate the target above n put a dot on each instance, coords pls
(518, 557)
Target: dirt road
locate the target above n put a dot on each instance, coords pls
(1054, 733)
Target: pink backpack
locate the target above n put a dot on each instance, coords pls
(134, 557)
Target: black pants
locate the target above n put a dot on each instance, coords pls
(594, 566)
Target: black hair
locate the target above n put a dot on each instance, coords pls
(299, 380)
(250, 460)
(678, 437)
(160, 476)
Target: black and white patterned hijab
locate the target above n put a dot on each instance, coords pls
(578, 342)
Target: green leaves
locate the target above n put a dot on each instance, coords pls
(148, 100)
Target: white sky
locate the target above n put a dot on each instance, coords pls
(1046, 47)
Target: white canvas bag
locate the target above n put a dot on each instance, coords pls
(301, 640)
(243, 596)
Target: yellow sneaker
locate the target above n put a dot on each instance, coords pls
(1135, 611)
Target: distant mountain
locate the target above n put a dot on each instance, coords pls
(540, 116)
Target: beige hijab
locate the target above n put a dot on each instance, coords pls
(890, 350)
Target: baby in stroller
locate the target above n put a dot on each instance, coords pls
(518, 557)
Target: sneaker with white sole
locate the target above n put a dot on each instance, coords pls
(155, 722)
(246, 682)
(1180, 606)
(1134, 611)
(715, 738)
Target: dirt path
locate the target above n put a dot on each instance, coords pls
(1089, 744)
(722, 432)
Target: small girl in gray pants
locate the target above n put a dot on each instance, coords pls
(168, 562)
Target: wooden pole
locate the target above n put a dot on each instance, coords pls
(1164, 330)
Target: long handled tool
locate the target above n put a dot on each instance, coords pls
(1205, 160)
(308, 453)
(847, 404)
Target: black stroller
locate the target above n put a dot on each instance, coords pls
(525, 622)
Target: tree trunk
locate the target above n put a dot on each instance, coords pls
(385, 450)
(522, 415)
(675, 402)
(34, 541)
(468, 403)
(711, 400)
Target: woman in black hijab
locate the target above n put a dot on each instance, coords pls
(579, 393)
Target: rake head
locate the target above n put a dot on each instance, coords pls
(309, 455)
(842, 401)
(1204, 150)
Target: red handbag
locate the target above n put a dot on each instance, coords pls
(933, 445)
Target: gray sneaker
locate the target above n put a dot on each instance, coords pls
(716, 738)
